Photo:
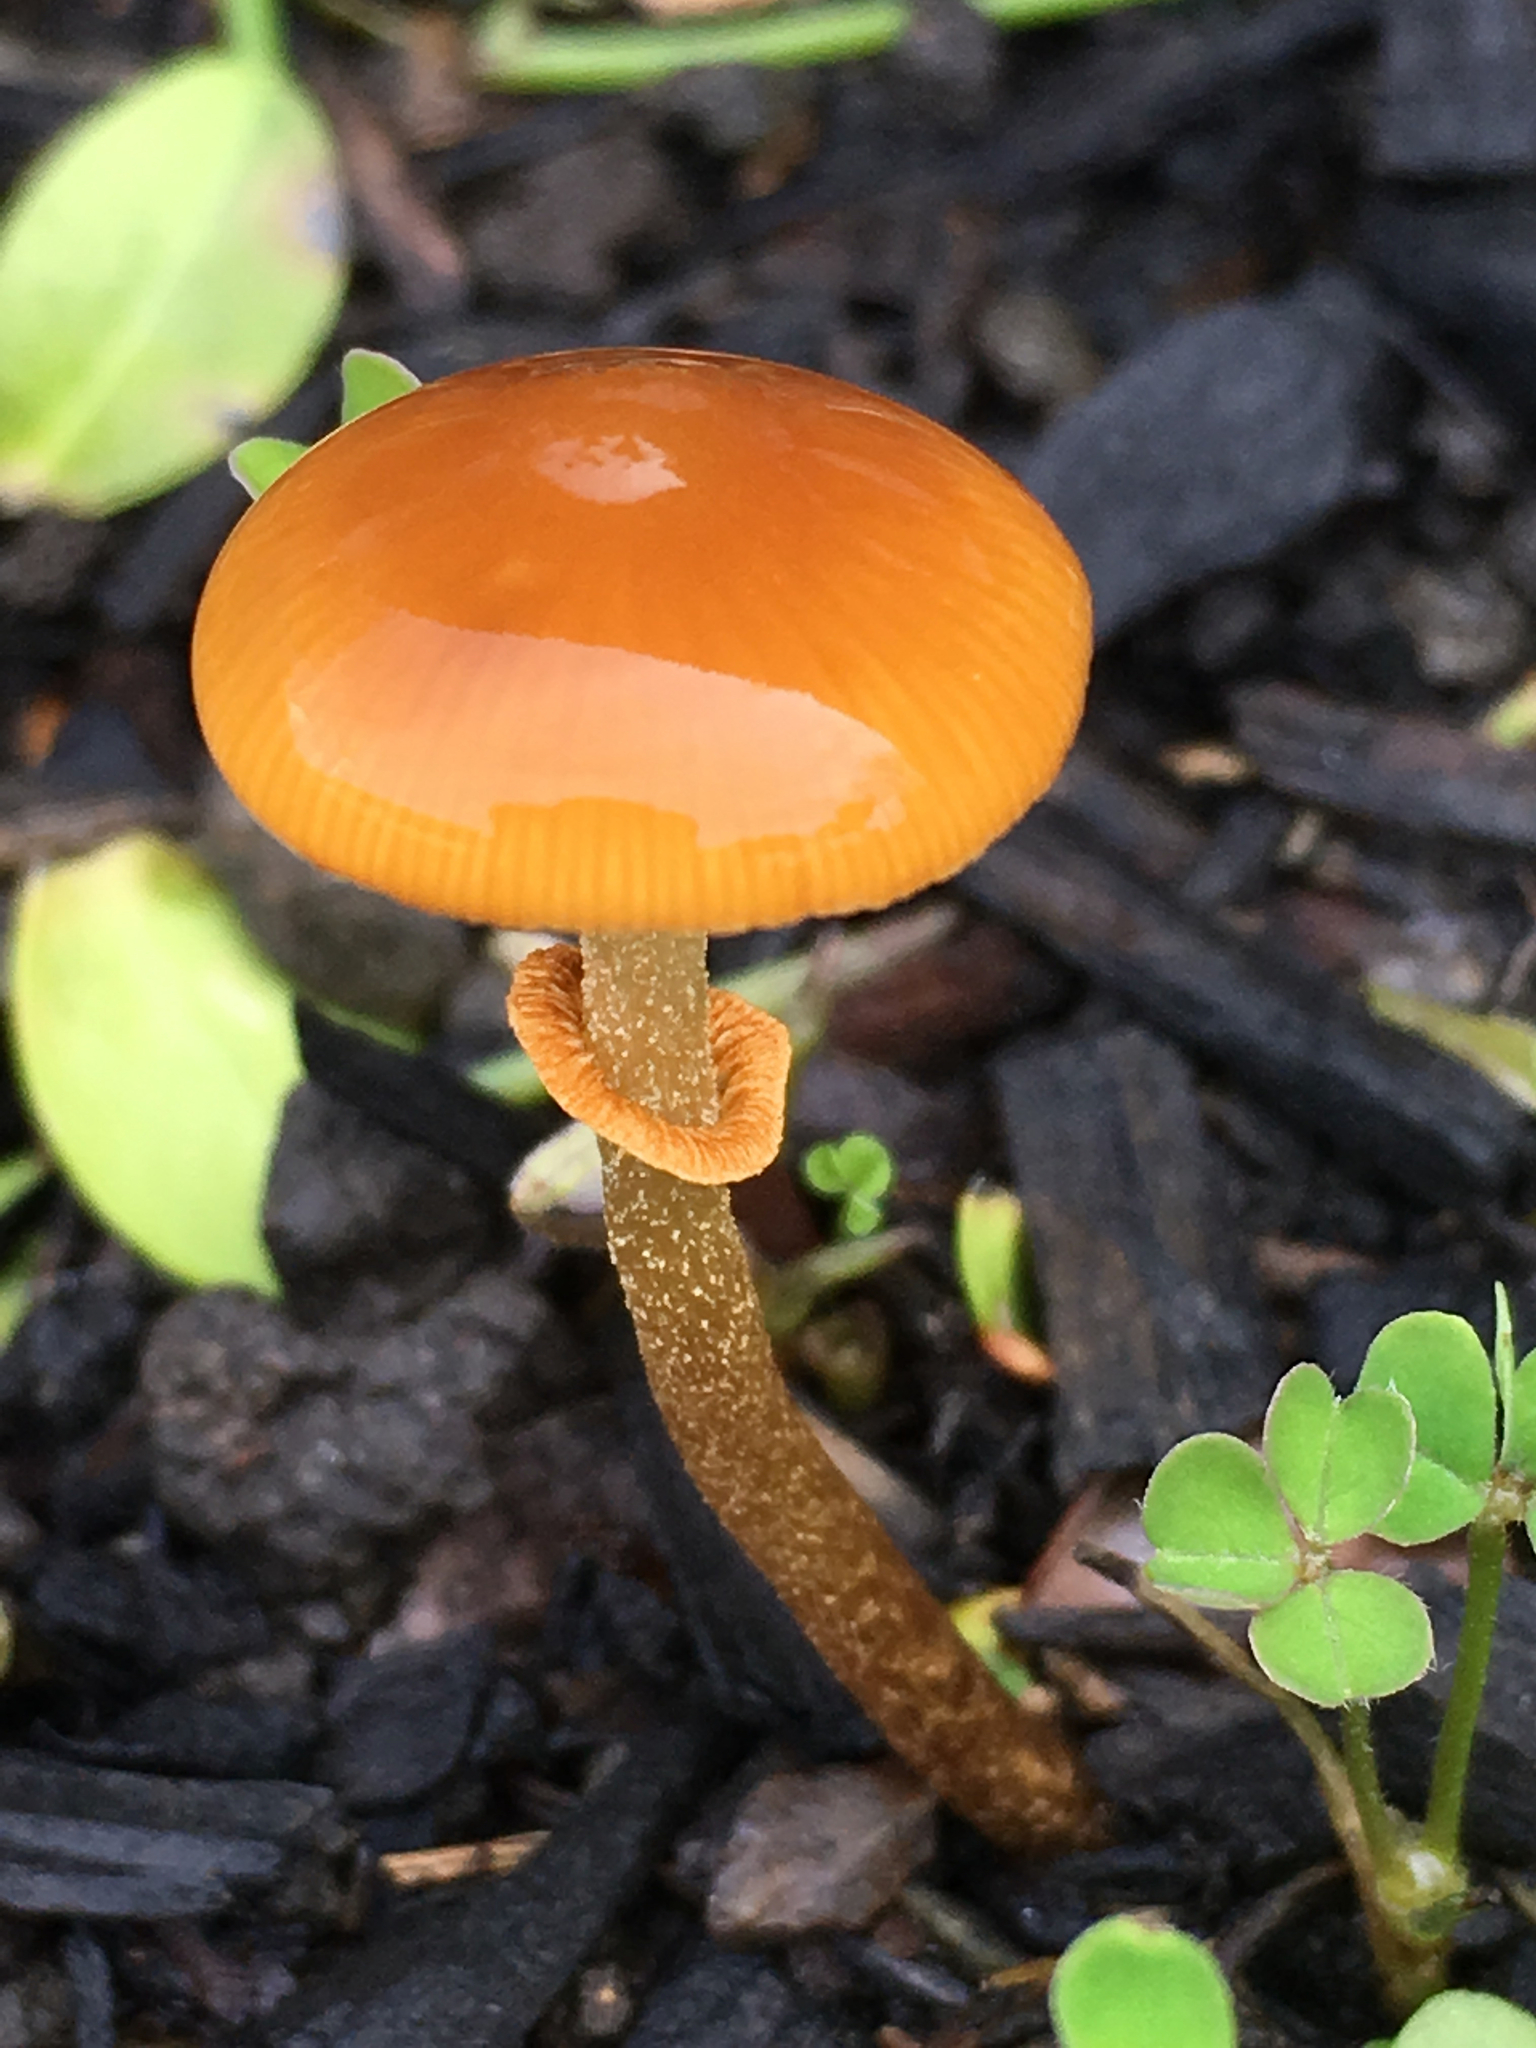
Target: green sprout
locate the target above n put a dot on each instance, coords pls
(1435, 1439)
(368, 379)
(857, 1172)
(1128, 1983)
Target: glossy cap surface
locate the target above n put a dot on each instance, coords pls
(639, 639)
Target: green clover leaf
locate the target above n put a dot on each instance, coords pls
(1218, 1528)
(1347, 1636)
(1340, 1465)
(856, 1171)
(1437, 1362)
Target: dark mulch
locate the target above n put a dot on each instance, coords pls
(1246, 291)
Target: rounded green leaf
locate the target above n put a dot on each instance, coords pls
(1438, 1364)
(1123, 1984)
(1469, 2019)
(1217, 1527)
(169, 267)
(1347, 1636)
(156, 1047)
(1339, 1464)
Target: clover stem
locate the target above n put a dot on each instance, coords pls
(1453, 1750)
(1382, 1833)
(751, 1452)
(1411, 1967)
(253, 29)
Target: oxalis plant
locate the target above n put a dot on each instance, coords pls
(1131, 1983)
(1435, 1438)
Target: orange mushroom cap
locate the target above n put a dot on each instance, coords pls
(642, 640)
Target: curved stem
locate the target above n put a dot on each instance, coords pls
(753, 1456)
(512, 53)
(254, 30)
(1453, 1750)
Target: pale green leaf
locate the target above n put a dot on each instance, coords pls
(991, 1249)
(1123, 1984)
(1217, 1527)
(1501, 1047)
(169, 268)
(260, 461)
(1437, 1362)
(1469, 2019)
(1503, 1361)
(156, 1047)
(1339, 1464)
(1346, 1636)
(370, 379)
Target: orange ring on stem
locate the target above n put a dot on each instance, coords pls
(750, 1050)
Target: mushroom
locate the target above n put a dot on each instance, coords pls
(646, 644)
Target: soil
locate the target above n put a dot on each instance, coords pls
(379, 1677)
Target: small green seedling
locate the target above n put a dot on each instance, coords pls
(1127, 1984)
(992, 1262)
(368, 379)
(858, 1173)
(1436, 1438)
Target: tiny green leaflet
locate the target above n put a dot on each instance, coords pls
(368, 380)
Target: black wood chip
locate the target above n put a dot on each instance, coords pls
(115, 1845)
(416, 1098)
(1463, 260)
(1228, 436)
(717, 1996)
(90, 1979)
(477, 1965)
(1390, 1106)
(1455, 89)
(1132, 1216)
(1429, 777)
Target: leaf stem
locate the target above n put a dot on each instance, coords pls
(510, 52)
(1411, 1965)
(255, 30)
(1453, 1750)
(1365, 1781)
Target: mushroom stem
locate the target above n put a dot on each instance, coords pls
(753, 1456)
